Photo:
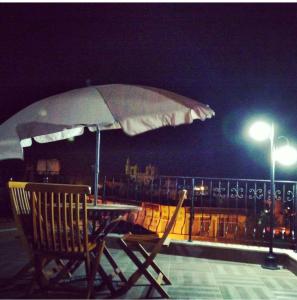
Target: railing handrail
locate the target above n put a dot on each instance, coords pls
(215, 178)
(233, 179)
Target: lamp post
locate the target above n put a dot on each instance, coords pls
(287, 155)
(270, 260)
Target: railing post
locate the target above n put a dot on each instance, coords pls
(112, 187)
(192, 210)
(136, 188)
(160, 182)
(128, 188)
(104, 190)
(151, 190)
(295, 217)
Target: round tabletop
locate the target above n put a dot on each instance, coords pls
(113, 207)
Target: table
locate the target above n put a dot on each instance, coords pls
(102, 215)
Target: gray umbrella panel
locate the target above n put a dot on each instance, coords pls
(54, 118)
(135, 109)
(139, 109)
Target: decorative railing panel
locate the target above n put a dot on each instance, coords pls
(225, 208)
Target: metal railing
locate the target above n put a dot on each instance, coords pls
(239, 207)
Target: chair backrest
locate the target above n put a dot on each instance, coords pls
(20, 205)
(182, 195)
(19, 197)
(59, 214)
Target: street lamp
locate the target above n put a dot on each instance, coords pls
(286, 155)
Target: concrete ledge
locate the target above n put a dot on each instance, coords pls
(220, 251)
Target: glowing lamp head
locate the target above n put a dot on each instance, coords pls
(286, 155)
(260, 131)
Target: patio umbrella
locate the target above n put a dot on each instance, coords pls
(135, 109)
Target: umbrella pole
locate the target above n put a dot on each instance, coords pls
(96, 169)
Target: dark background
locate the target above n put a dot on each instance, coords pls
(238, 58)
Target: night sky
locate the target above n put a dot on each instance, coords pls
(241, 59)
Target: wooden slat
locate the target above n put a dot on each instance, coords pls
(26, 201)
(78, 233)
(59, 229)
(41, 236)
(47, 234)
(72, 224)
(21, 201)
(65, 222)
(85, 222)
(15, 202)
(34, 216)
(54, 244)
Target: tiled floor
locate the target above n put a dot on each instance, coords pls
(192, 278)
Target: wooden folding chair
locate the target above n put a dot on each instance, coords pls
(60, 231)
(20, 205)
(137, 241)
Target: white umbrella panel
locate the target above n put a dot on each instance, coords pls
(135, 109)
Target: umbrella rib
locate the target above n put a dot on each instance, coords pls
(106, 105)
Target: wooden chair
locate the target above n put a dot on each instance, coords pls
(60, 231)
(138, 240)
(21, 209)
(20, 205)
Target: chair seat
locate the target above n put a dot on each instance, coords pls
(145, 238)
(129, 237)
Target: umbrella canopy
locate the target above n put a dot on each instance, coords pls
(135, 109)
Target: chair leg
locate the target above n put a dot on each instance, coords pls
(116, 268)
(142, 270)
(63, 272)
(61, 265)
(94, 267)
(106, 279)
(40, 277)
(33, 284)
(91, 277)
(150, 290)
(29, 265)
(75, 266)
(157, 269)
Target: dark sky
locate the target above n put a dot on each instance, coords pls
(241, 59)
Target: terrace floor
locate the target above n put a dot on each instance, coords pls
(193, 277)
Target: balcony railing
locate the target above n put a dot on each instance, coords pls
(224, 209)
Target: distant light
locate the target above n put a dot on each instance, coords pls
(260, 131)
(286, 155)
(199, 188)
